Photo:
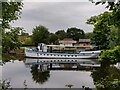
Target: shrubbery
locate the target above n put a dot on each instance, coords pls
(110, 56)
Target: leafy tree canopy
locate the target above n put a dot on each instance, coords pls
(89, 35)
(102, 26)
(114, 37)
(10, 40)
(28, 41)
(61, 34)
(75, 33)
(10, 11)
(114, 7)
(39, 76)
(53, 38)
(40, 35)
(110, 56)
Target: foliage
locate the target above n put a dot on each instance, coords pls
(7, 57)
(69, 85)
(101, 29)
(53, 38)
(108, 23)
(107, 78)
(10, 40)
(113, 6)
(61, 34)
(10, 12)
(89, 35)
(75, 33)
(110, 56)
(0, 36)
(40, 35)
(28, 41)
(114, 37)
(38, 76)
(4, 85)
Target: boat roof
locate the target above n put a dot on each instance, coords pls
(76, 46)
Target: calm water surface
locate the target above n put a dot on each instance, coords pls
(19, 74)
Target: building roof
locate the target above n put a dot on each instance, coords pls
(72, 46)
(84, 40)
(67, 40)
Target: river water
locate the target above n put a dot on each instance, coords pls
(21, 75)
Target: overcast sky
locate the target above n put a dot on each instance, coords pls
(57, 15)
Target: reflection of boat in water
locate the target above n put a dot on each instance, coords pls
(83, 61)
(62, 64)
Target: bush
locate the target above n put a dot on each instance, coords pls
(110, 56)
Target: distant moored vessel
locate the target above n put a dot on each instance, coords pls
(42, 52)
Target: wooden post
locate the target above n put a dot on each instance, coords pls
(50, 65)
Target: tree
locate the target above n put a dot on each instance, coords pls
(101, 29)
(40, 35)
(39, 76)
(89, 35)
(61, 34)
(75, 33)
(10, 40)
(114, 6)
(110, 56)
(114, 37)
(111, 20)
(10, 12)
(106, 78)
(53, 38)
(28, 41)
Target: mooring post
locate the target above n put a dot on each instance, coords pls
(50, 65)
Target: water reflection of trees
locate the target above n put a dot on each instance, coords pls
(107, 78)
(39, 76)
(8, 57)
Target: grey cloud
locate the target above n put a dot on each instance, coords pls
(58, 15)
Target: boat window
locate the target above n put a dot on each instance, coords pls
(40, 54)
(61, 55)
(71, 55)
(44, 54)
(51, 54)
(75, 55)
(64, 55)
(47, 54)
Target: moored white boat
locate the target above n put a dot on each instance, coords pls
(31, 53)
